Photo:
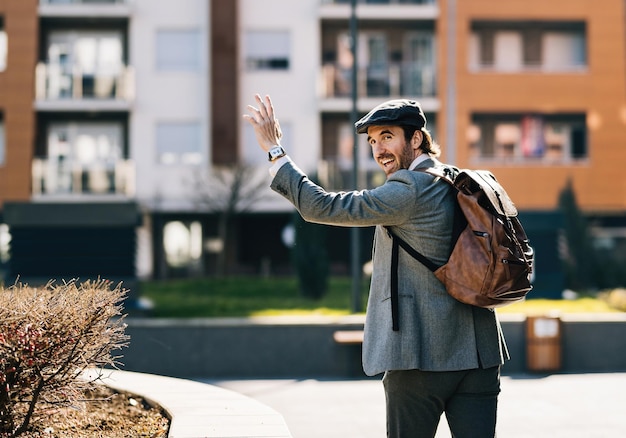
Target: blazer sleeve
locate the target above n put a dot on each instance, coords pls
(389, 204)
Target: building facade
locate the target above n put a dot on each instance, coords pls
(121, 137)
(533, 91)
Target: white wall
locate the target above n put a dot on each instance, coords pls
(293, 91)
(184, 96)
(172, 96)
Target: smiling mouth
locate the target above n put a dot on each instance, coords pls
(386, 161)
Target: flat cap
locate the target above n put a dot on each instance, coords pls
(393, 112)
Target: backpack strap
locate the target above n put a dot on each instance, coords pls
(395, 317)
(446, 173)
(396, 243)
(413, 252)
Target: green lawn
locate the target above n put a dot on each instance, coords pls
(543, 306)
(252, 296)
(244, 296)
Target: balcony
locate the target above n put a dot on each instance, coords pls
(381, 9)
(85, 8)
(382, 2)
(83, 2)
(60, 88)
(389, 81)
(55, 178)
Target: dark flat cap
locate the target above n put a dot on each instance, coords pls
(393, 112)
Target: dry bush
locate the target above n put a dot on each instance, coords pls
(48, 337)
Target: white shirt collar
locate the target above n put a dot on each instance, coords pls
(418, 160)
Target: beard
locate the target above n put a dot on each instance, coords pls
(401, 161)
(407, 156)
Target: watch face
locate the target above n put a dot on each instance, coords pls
(276, 152)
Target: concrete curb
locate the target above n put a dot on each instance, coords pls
(198, 409)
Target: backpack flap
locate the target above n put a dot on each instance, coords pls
(473, 181)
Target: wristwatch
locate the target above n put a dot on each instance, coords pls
(276, 152)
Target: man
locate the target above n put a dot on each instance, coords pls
(437, 354)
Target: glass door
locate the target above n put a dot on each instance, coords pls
(418, 67)
(373, 59)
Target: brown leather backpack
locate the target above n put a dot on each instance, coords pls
(491, 260)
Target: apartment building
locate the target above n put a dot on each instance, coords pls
(532, 90)
(116, 116)
(103, 109)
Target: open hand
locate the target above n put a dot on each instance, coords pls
(265, 124)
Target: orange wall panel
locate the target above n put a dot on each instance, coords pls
(17, 96)
(599, 92)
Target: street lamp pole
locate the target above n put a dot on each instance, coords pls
(354, 235)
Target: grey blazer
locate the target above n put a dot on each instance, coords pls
(437, 332)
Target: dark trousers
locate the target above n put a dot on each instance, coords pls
(416, 399)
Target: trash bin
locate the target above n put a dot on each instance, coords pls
(543, 343)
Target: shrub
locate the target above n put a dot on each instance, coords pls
(48, 337)
(310, 258)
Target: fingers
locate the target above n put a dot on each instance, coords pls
(265, 110)
(262, 105)
(269, 107)
(252, 117)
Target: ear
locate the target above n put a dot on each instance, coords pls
(417, 138)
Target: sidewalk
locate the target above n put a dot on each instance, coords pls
(553, 406)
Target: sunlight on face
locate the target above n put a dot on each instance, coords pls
(390, 149)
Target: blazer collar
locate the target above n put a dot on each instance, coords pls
(423, 161)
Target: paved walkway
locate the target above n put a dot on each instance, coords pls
(199, 410)
(554, 406)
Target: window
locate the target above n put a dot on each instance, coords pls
(179, 143)
(418, 66)
(252, 153)
(507, 51)
(2, 142)
(178, 50)
(562, 50)
(528, 137)
(267, 50)
(3, 46)
(518, 46)
(373, 58)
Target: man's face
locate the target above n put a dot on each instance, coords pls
(390, 149)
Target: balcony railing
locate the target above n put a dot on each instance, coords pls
(96, 9)
(384, 80)
(383, 2)
(54, 177)
(90, 2)
(54, 81)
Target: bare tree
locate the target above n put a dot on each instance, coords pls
(229, 191)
